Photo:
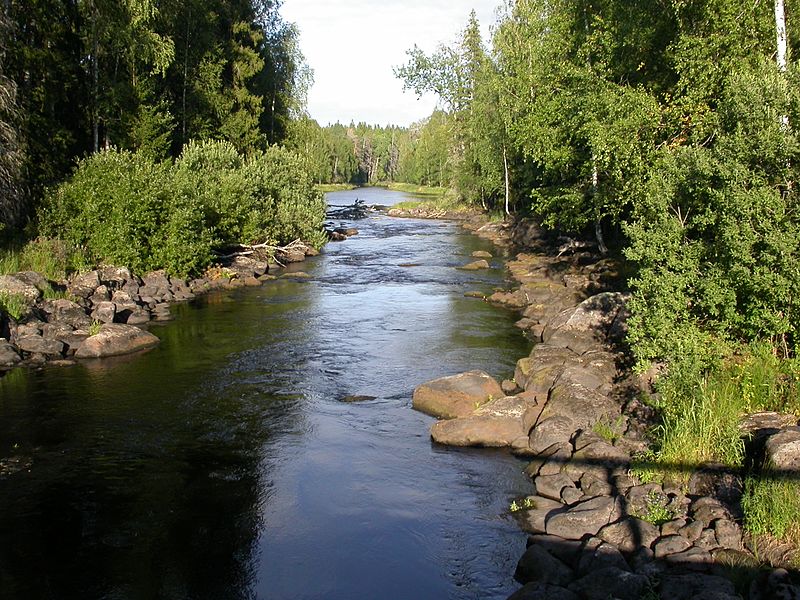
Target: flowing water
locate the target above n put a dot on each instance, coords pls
(223, 464)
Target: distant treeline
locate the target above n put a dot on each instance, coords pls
(365, 154)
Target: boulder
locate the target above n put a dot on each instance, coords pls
(116, 339)
(783, 449)
(584, 407)
(495, 424)
(14, 286)
(105, 312)
(611, 582)
(540, 566)
(8, 356)
(481, 254)
(66, 311)
(36, 344)
(584, 518)
(114, 277)
(551, 431)
(543, 591)
(597, 554)
(84, 285)
(551, 486)
(629, 534)
(457, 395)
(670, 544)
(685, 586)
(594, 316)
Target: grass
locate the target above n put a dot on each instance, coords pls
(609, 431)
(334, 187)
(701, 413)
(13, 305)
(772, 509)
(700, 424)
(656, 511)
(426, 191)
(52, 258)
(94, 328)
(448, 203)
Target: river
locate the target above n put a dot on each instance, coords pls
(223, 464)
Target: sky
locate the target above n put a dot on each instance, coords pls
(352, 45)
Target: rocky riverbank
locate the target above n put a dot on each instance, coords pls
(104, 312)
(598, 526)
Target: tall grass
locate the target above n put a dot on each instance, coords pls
(701, 413)
(700, 424)
(53, 258)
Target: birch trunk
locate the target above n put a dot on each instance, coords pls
(780, 31)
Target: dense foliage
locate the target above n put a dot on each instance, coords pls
(143, 76)
(664, 129)
(123, 208)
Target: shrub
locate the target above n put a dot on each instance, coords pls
(125, 209)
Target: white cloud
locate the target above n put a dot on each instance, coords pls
(352, 46)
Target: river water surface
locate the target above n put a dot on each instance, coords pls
(223, 464)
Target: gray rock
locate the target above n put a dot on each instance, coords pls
(629, 534)
(14, 286)
(691, 531)
(555, 461)
(728, 534)
(84, 285)
(585, 518)
(114, 277)
(597, 554)
(8, 356)
(540, 566)
(571, 495)
(594, 316)
(611, 582)
(533, 520)
(583, 406)
(685, 586)
(551, 486)
(783, 449)
(671, 544)
(457, 395)
(116, 339)
(38, 345)
(593, 486)
(134, 316)
(555, 430)
(66, 311)
(694, 559)
(480, 430)
(105, 312)
(567, 551)
(541, 591)
(673, 527)
(707, 540)
(482, 254)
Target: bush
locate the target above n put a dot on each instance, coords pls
(125, 209)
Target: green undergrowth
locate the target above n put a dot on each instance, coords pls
(13, 305)
(448, 203)
(700, 416)
(52, 258)
(126, 209)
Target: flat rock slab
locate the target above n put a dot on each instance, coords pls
(457, 395)
(495, 424)
(115, 339)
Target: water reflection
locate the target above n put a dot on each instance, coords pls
(222, 465)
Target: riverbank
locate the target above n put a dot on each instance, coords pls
(604, 519)
(104, 312)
